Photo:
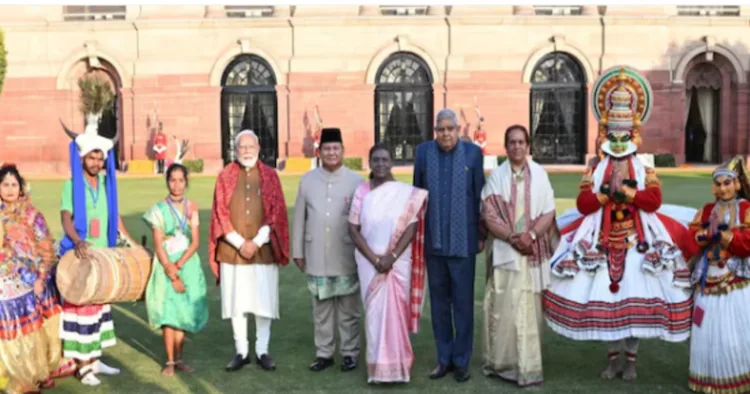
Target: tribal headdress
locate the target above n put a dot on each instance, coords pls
(81, 144)
(622, 101)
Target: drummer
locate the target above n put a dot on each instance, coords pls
(90, 218)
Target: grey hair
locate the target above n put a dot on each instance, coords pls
(243, 133)
(446, 114)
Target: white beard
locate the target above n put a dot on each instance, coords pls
(248, 163)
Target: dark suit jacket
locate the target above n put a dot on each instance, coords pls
(472, 188)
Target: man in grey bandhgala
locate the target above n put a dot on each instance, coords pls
(323, 249)
(452, 171)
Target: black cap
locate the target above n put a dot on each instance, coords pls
(330, 134)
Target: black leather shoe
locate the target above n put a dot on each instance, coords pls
(440, 371)
(350, 363)
(321, 363)
(237, 363)
(462, 374)
(266, 362)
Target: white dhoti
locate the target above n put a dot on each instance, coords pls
(250, 289)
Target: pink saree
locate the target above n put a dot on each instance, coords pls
(393, 300)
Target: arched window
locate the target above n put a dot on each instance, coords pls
(248, 101)
(403, 105)
(558, 110)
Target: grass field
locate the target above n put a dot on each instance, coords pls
(569, 367)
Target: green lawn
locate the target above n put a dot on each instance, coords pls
(570, 367)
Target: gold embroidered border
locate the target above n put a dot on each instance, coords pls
(703, 384)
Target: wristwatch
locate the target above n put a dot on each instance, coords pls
(532, 234)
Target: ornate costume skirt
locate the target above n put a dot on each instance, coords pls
(29, 334)
(86, 330)
(647, 305)
(720, 346)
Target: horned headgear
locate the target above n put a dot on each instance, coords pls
(90, 139)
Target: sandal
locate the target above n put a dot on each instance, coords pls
(168, 369)
(183, 367)
(87, 377)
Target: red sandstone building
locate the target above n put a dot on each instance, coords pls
(378, 73)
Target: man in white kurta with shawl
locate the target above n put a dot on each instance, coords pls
(524, 235)
(247, 243)
(619, 274)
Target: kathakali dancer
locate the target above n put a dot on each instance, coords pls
(719, 346)
(29, 303)
(90, 218)
(618, 274)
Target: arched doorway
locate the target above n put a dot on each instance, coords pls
(703, 95)
(558, 110)
(403, 105)
(248, 101)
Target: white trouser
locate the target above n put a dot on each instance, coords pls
(262, 335)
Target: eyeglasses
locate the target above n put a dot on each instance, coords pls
(444, 129)
(246, 148)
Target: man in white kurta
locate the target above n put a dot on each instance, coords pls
(248, 241)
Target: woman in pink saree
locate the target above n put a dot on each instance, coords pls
(386, 224)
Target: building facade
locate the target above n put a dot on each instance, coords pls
(378, 73)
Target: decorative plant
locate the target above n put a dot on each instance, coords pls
(96, 94)
(3, 60)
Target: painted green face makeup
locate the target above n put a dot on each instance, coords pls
(619, 141)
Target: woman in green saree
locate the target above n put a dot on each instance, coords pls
(176, 293)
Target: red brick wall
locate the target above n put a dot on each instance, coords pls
(30, 133)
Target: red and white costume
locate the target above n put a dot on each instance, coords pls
(618, 272)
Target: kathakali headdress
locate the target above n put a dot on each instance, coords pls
(622, 101)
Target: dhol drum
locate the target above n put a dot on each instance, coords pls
(106, 276)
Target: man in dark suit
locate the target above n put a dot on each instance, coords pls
(452, 171)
